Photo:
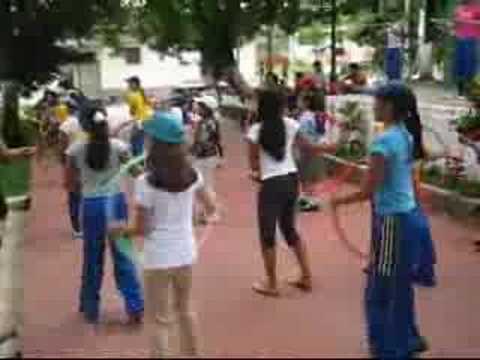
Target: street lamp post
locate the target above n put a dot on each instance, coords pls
(333, 45)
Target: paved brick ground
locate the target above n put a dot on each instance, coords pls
(235, 322)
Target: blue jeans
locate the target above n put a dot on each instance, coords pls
(137, 141)
(74, 203)
(96, 212)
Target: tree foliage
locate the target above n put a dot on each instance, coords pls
(214, 27)
(33, 32)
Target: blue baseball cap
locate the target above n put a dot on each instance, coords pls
(166, 127)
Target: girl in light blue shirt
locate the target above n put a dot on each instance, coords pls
(401, 253)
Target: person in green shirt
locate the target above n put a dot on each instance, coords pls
(6, 155)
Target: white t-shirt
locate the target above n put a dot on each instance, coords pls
(394, 39)
(72, 128)
(269, 167)
(170, 240)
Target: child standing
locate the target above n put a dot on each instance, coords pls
(91, 163)
(164, 199)
(270, 145)
(400, 254)
(71, 131)
(313, 125)
(207, 144)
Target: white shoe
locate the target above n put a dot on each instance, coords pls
(77, 235)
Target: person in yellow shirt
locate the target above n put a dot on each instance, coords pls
(61, 112)
(140, 111)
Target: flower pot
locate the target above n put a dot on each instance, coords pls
(15, 177)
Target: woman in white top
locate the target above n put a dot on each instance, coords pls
(164, 199)
(272, 162)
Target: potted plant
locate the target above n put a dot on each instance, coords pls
(469, 125)
(17, 131)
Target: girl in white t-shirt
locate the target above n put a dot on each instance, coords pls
(164, 200)
(271, 144)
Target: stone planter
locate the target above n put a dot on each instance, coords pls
(458, 206)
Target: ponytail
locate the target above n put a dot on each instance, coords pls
(273, 133)
(414, 126)
(98, 147)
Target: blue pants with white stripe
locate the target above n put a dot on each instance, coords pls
(402, 255)
(96, 213)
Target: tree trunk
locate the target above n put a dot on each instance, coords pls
(11, 129)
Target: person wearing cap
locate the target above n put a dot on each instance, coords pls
(91, 163)
(207, 146)
(140, 111)
(164, 201)
(401, 253)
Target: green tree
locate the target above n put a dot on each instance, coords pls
(33, 34)
(214, 27)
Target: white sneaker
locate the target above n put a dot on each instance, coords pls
(77, 235)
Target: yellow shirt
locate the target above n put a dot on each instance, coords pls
(139, 108)
(61, 112)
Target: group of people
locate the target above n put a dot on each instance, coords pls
(170, 187)
(177, 171)
(402, 253)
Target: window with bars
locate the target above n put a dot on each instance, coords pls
(132, 55)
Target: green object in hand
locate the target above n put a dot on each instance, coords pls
(125, 245)
(15, 178)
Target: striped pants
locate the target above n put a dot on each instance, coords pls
(398, 247)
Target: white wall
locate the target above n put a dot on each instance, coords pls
(154, 72)
(248, 63)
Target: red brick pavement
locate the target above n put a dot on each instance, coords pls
(235, 322)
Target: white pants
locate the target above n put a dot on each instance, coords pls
(11, 281)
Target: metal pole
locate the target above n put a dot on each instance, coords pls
(333, 48)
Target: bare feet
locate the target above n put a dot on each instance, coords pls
(304, 284)
(266, 290)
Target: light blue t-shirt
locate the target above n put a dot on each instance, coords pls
(308, 127)
(396, 194)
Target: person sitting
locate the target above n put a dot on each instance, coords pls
(355, 81)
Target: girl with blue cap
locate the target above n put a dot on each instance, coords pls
(90, 163)
(164, 202)
(402, 251)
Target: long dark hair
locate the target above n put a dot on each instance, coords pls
(273, 134)
(405, 109)
(414, 126)
(168, 167)
(98, 147)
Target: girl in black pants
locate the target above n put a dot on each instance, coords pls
(271, 144)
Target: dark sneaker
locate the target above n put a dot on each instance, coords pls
(421, 346)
